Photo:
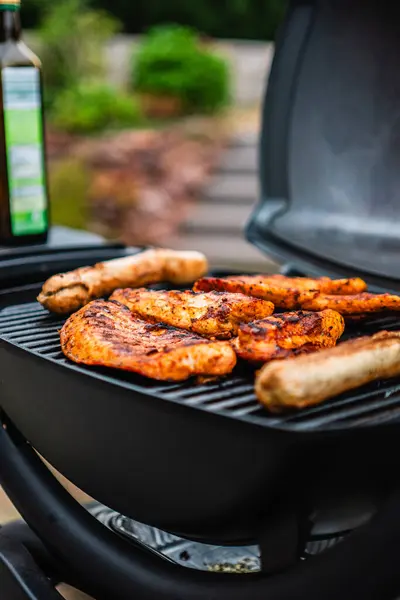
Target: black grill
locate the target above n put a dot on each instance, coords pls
(32, 328)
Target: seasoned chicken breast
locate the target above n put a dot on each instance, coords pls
(324, 285)
(288, 334)
(67, 292)
(284, 292)
(358, 304)
(307, 380)
(212, 314)
(107, 334)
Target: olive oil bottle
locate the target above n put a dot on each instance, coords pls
(23, 180)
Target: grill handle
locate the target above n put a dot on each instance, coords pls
(108, 567)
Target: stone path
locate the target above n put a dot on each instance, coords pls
(216, 223)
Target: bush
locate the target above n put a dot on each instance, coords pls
(172, 62)
(94, 107)
(72, 39)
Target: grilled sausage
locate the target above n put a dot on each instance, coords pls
(67, 292)
(311, 379)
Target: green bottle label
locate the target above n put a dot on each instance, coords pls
(23, 127)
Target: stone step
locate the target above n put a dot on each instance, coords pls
(227, 251)
(245, 139)
(240, 159)
(215, 217)
(233, 189)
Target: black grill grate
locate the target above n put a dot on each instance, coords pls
(32, 328)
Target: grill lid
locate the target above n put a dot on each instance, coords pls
(330, 145)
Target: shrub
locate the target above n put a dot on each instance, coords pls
(172, 62)
(94, 107)
(72, 37)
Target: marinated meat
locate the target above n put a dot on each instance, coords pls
(288, 334)
(352, 305)
(284, 292)
(212, 314)
(106, 333)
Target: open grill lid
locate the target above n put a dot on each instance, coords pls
(330, 144)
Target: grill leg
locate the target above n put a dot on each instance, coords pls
(20, 577)
(19, 533)
(109, 568)
(279, 543)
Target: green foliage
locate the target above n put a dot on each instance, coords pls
(93, 107)
(172, 61)
(243, 19)
(68, 186)
(72, 38)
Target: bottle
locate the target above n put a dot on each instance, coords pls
(24, 207)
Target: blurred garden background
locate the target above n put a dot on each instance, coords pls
(152, 113)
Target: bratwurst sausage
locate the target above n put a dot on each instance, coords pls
(67, 292)
(310, 379)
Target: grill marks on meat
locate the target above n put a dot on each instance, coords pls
(107, 334)
(212, 314)
(67, 292)
(358, 304)
(288, 334)
(308, 380)
(346, 296)
(325, 285)
(289, 293)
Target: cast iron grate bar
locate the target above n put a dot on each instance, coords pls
(30, 327)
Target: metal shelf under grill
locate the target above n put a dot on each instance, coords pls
(30, 327)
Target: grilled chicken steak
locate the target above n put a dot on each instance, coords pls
(212, 314)
(307, 380)
(324, 285)
(356, 305)
(288, 334)
(67, 292)
(107, 334)
(285, 292)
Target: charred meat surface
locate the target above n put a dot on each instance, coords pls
(287, 334)
(212, 314)
(68, 292)
(325, 285)
(107, 334)
(307, 380)
(354, 305)
(284, 292)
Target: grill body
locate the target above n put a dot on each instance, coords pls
(221, 464)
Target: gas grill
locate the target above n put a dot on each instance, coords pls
(193, 479)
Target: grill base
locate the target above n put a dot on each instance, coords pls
(223, 466)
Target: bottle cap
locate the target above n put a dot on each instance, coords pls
(10, 4)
